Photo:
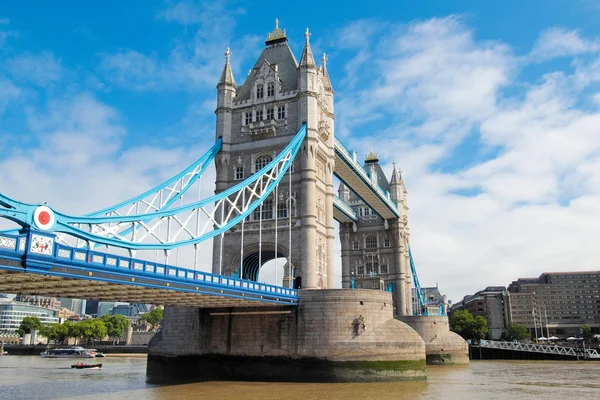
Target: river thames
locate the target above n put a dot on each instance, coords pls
(32, 377)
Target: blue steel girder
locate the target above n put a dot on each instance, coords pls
(421, 301)
(229, 208)
(349, 171)
(34, 263)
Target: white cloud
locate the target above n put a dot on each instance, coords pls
(436, 85)
(9, 92)
(41, 69)
(559, 42)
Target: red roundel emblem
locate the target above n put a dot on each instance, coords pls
(43, 218)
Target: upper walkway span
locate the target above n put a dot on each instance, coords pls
(349, 171)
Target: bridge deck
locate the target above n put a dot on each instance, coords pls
(62, 271)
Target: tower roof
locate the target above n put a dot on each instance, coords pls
(395, 179)
(227, 74)
(307, 59)
(277, 52)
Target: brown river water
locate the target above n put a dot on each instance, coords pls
(32, 377)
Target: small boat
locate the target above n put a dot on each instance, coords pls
(86, 366)
(5, 353)
(99, 355)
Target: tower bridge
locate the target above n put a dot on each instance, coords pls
(275, 156)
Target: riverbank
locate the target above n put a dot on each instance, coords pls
(109, 350)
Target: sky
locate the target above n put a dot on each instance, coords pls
(491, 109)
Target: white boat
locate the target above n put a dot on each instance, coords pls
(70, 352)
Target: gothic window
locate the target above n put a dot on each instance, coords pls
(355, 245)
(256, 214)
(271, 89)
(282, 210)
(372, 267)
(260, 91)
(267, 209)
(248, 118)
(360, 269)
(270, 114)
(320, 256)
(371, 242)
(259, 115)
(386, 242)
(239, 172)
(320, 211)
(360, 211)
(384, 268)
(281, 112)
(261, 162)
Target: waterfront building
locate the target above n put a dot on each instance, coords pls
(75, 305)
(41, 301)
(126, 310)
(91, 307)
(105, 308)
(13, 312)
(557, 303)
(493, 304)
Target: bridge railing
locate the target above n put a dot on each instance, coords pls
(114, 263)
(538, 348)
(351, 159)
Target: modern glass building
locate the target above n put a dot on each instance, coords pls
(12, 314)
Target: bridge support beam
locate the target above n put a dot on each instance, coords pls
(335, 335)
(441, 345)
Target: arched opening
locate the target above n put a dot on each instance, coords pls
(270, 264)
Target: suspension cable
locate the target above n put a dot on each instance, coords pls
(260, 233)
(276, 212)
(222, 239)
(289, 206)
(242, 241)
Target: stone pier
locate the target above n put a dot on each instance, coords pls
(441, 345)
(334, 335)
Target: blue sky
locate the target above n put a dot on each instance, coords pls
(490, 108)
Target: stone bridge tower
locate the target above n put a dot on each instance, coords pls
(256, 121)
(375, 251)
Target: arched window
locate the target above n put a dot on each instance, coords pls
(261, 162)
(360, 268)
(386, 242)
(355, 244)
(271, 89)
(260, 91)
(371, 242)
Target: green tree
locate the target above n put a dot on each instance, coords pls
(153, 317)
(29, 324)
(586, 332)
(90, 329)
(516, 332)
(116, 325)
(463, 323)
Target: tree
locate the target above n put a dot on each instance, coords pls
(153, 317)
(116, 325)
(463, 323)
(516, 332)
(29, 324)
(586, 332)
(90, 329)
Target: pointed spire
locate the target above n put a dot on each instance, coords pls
(227, 75)
(394, 180)
(326, 80)
(307, 59)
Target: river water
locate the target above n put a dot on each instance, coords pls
(33, 377)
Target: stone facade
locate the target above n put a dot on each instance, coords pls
(377, 247)
(333, 335)
(256, 121)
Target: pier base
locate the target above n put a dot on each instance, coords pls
(334, 335)
(441, 345)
